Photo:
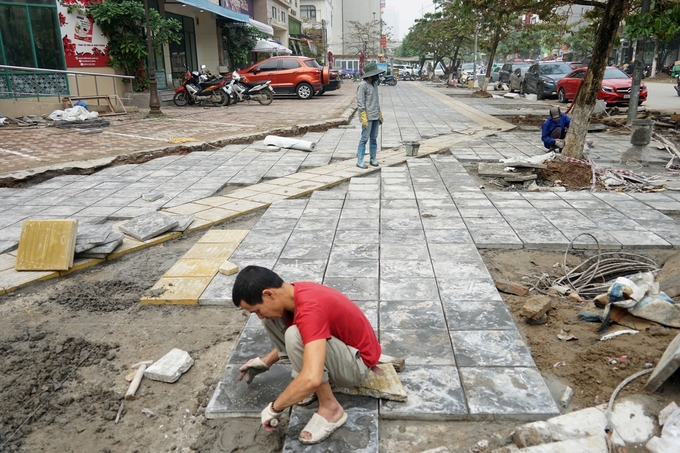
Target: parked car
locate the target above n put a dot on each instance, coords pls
(334, 82)
(615, 89)
(541, 78)
(517, 78)
(496, 75)
(301, 76)
(405, 71)
(467, 70)
(509, 68)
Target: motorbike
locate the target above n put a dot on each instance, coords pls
(677, 85)
(388, 80)
(239, 89)
(199, 87)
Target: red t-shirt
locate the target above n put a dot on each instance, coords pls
(322, 312)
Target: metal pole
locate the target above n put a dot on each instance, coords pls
(154, 102)
(637, 72)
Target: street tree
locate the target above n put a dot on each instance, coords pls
(661, 24)
(587, 95)
(365, 37)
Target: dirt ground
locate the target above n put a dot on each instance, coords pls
(67, 345)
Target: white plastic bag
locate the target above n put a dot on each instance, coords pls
(77, 113)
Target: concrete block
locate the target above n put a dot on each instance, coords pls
(113, 241)
(536, 306)
(511, 96)
(530, 97)
(228, 268)
(170, 367)
(148, 226)
(47, 245)
(669, 362)
(93, 233)
(388, 386)
(152, 196)
(511, 288)
(666, 412)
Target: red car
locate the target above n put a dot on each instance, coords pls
(301, 76)
(615, 89)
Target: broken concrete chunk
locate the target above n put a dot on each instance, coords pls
(388, 386)
(511, 96)
(114, 240)
(666, 412)
(148, 226)
(170, 367)
(511, 288)
(567, 396)
(670, 361)
(228, 268)
(152, 196)
(536, 306)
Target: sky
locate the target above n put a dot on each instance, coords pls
(409, 11)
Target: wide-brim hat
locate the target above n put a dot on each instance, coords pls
(371, 70)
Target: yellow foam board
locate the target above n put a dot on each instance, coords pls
(46, 245)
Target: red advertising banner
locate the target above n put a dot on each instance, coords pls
(84, 43)
(383, 41)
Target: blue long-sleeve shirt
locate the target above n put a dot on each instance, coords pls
(550, 126)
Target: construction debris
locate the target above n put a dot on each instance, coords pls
(170, 367)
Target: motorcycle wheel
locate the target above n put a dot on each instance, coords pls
(392, 82)
(219, 98)
(265, 97)
(181, 99)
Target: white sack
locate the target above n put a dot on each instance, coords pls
(289, 143)
(77, 113)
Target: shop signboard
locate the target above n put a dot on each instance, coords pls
(84, 43)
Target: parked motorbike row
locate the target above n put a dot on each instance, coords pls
(201, 87)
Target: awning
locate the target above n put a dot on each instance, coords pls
(265, 46)
(205, 5)
(264, 28)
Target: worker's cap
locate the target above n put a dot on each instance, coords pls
(555, 112)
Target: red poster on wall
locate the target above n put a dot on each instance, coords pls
(84, 43)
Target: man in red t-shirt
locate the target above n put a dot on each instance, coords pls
(327, 337)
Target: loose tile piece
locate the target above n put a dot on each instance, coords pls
(388, 386)
(46, 245)
(148, 226)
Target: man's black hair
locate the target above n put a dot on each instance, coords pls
(250, 283)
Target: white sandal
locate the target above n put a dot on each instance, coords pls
(320, 428)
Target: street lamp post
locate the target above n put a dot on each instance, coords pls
(154, 102)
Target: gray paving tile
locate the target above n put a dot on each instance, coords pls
(495, 238)
(297, 270)
(350, 267)
(408, 288)
(356, 288)
(517, 393)
(419, 346)
(490, 348)
(148, 226)
(641, 239)
(396, 315)
(434, 393)
(253, 342)
(406, 252)
(234, 399)
(218, 291)
(474, 290)
(359, 434)
(459, 235)
(483, 315)
(356, 236)
(356, 251)
(393, 269)
(390, 236)
(460, 269)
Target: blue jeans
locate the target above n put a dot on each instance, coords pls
(369, 132)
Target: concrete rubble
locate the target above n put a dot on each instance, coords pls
(170, 367)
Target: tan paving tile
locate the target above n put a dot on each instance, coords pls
(311, 185)
(186, 209)
(217, 215)
(11, 279)
(263, 187)
(245, 205)
(228, 268)
(214, 201)
(266, 198)
(211, 251)
(242, 193)
(291, 192)
(223, 236)
(184, 290)
(186, 267)
(326, 179)
(47, 245)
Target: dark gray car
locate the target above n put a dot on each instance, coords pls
(509, 68)
(542, 78)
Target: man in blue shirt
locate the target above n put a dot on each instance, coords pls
(555, 129)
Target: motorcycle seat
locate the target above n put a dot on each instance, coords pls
(210, 83)
(254, 84)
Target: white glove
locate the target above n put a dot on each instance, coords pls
(559, 144)
(269, 418)
(252, 368)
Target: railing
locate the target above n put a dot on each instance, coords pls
(12, 72)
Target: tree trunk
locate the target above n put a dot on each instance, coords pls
(585, 100)
(492, 55)
(655, 58)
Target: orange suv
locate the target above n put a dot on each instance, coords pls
(301, 76)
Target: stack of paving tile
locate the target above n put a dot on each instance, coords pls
(522, 171)
(96, 241)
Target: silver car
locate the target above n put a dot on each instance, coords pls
(517, 78)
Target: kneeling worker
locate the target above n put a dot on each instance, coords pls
(555, 129)
(327, 337)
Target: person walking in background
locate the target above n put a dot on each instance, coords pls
(368, 106)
